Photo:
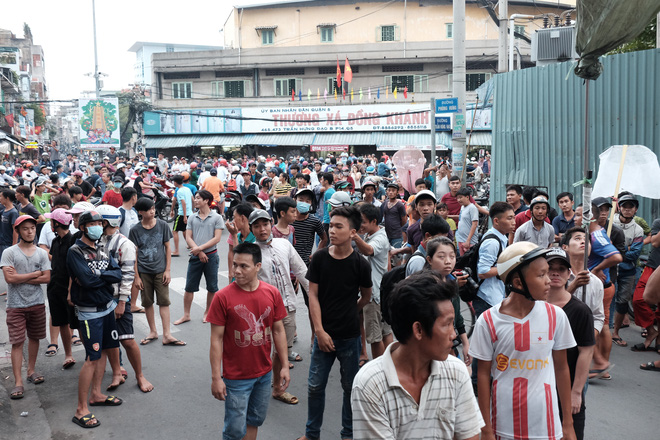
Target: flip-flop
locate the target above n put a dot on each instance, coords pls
(124, 373)
(642, 347)
(51, 351)
(287, 398)
(82, 421)
(649, 366)
(35, 378)
(76, 341)
(620, 342)
(146, 341)
(112, 387)
(68, 364)
(17, 393)
(139, 310)
(295, 357)
(175, 343)
(598, 374)
(109, 401)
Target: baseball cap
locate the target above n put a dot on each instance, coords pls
(393, 185)
(41, 180)
(258, 214)
(601, 201)
(368, 183)
(558, 254)
(307, 191)
(425, 193)
(371, 169)
(214, 172)
(77, 173)
(253, 198)
(118, 179)
(340, 198)
(60, 216)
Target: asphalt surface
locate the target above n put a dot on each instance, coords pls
(181, 405)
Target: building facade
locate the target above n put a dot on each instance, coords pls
(286, 55)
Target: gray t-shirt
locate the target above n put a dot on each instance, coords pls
(20, 296)
(468, 215)
(204, 230)
(151, 246)
(130, 219)
(378, 261)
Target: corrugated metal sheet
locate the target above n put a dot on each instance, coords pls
(165, 142)
(401, 139)
(296, 139)
(539, 113)
(222, 139)
(344, 139)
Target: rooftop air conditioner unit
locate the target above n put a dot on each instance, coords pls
(553, 45)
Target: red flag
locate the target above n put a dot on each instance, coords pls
(23, 112)
(37, 130)
(293, 95)
(10, 119)
(405, 92)
(338, 74)
(348, 73)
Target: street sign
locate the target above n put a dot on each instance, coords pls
(442, 123)
(459, 121)
(446, 105)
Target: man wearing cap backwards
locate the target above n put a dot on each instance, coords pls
(93, 273)
(122, 249)
(537, 230)
(25, 268)
(279, 260)
(582, 325)
(521, 343)
(41, 194)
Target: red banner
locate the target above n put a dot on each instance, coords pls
(328, 148)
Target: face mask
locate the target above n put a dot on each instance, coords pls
(94, 232)
(303, 207)
(117, 184)
(268, 240)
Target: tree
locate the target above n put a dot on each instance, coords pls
(27, 32)
(644, 41)
(132, 104)
(39, 118)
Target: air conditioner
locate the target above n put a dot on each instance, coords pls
(553, 45)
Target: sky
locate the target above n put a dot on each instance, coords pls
(64, 29)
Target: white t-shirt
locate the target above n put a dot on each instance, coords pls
(130, 219)
(523, 392)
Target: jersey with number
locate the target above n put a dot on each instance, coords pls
(523, 391)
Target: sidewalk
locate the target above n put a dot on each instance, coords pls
(35, 425)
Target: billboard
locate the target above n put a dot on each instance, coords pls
(99, 123)
(330, 119)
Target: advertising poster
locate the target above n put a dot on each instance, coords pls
(99, 123)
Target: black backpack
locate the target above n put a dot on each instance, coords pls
(469, 261)
(387, 284)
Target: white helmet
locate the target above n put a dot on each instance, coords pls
(3, 168)
(81, 207)
(111, 214)
(236, 169)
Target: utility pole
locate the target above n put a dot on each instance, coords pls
(96, 57)
(504, 26)
(458, 87)
(657, 31)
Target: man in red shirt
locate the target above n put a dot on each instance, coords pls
(246, 317)
(112, 195)
(453, 206)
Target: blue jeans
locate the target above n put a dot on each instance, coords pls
(247, 404)
(347, 351)
(396, 242)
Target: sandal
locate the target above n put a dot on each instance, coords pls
(287, 398)
(642, 347)
(35, 378)
(51, 351)
(17, 393)
(649, 366)
(295, 357)
(83, 421)
(68, 364)
(362, 363)
(620, 342)
(75, 341)
(109, 401)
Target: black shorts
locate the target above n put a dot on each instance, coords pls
(125, 323)
(99, 334)
(179, 224)
(61, 313)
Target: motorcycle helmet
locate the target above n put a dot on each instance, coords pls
(111, 214)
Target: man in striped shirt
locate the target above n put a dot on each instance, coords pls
(416, 390)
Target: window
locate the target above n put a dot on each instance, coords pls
(231, 89)
(332, 70)
(327, 34)
(472, 80)
(181, 90)
(169, 48)
(388, 33)
(284, 86)
(332, 85)
(267, 36)
(181, 75)
(415, 83)
(449, 27)
(519, 29)
(408, 67)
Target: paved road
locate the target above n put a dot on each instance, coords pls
(181, 406)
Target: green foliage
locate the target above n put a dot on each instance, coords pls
(644, 41)
(39, 118)
(27, 32)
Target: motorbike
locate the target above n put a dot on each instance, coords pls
(163, 201)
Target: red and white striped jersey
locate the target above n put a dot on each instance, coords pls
(523, 393)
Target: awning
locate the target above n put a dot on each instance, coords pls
(222, 139)
(9, 138)
(420, 139)
(295, 139)
(165, 142)
(480, 138)
(344, 139)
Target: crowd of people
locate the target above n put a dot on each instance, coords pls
(331, 231)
